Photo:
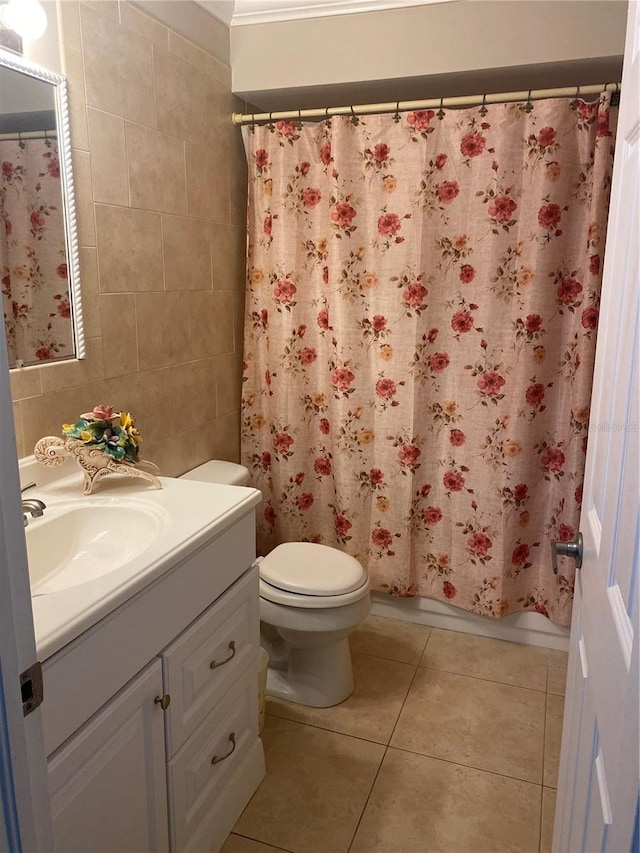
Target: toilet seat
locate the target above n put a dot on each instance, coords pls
(304, 574)
(311, 602)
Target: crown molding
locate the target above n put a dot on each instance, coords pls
(248, 12)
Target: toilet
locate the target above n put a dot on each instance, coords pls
(311, 598)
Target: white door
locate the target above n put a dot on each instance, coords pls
(599, 766)
(25, 823)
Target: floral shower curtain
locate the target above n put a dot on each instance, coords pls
(33, 258)
(420, 328)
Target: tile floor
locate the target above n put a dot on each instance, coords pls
(450, 743)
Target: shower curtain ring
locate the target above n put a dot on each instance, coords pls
(270, 125)
(396, 116)
(483, 109)
(299, 116)
(440, 114)
(354, 117)
(574, 102)
(528, 106)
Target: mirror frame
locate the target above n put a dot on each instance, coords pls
(63, 129)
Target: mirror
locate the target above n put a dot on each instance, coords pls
(39, 265)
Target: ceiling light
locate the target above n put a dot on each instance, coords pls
(25, 17)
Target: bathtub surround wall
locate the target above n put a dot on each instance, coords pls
(161, 193)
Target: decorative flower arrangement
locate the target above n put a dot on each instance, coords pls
(112, 432)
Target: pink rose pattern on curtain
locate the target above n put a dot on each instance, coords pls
(419, 339)
(33, 258)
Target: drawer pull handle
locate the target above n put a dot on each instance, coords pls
(216, 663)
(218, 758)
(163, 701)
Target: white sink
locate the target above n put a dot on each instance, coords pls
(75, 543)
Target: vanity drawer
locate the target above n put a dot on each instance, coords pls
(202, 664)
(200, 772)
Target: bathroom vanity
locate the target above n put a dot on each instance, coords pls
(150, 686)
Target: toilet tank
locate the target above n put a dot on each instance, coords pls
(217, 471)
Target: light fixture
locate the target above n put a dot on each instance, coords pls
(25, 17)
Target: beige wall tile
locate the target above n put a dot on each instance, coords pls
(69, 23)
(220, 439)
(163, 329)
(74, 72)
(108, 158)
(17, 423)
(138, 22)
(118, 68)
(228, 372)
(156, 170)
(129, 250)
(210, 330)
(420, 804)
(194, 381)
(108, 8)
(186, 98)
(75, 372)
(186, 249)
(84, 198)
(118, 315)
(25, 382)
(238, 321)
(44, 415)
(199, 58)
(207, 183)
(90, 292)
(228, 251)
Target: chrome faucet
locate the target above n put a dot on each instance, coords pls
(34, 507)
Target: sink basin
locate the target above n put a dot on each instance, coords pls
(74, 544)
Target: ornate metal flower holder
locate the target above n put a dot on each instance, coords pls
(52, 451)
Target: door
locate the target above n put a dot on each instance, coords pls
(25, 823)
(598, 781)
(108, 781)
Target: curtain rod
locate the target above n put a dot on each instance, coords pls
(17, 135)
(433, 103)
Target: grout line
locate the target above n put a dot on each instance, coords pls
(488, 680)
(470, 767)
(258, 841)
(541, 811)
(366, 802)
(323, 728)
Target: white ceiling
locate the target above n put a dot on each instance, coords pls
(239, 12)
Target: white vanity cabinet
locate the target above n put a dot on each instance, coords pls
(126, 775)
(107, 783)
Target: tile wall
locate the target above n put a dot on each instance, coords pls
(160, 184)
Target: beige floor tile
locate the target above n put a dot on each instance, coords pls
(393, 639)
(482, 657)
(552, 738)
(548, 815)
(557, 672)
(481, 724)
(372, 709)
(239, 844)
(420, 804)
(315, 790)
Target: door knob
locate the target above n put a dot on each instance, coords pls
(567, 549)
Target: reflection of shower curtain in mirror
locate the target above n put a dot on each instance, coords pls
(33, 260)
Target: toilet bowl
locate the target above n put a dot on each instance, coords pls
(311, 598)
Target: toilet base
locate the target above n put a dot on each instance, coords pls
(318, 677)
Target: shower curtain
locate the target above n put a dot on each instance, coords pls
(33, 258)
(420, 328)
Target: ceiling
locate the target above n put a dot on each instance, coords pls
(239, 12)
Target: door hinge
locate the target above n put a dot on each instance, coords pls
(32, 688)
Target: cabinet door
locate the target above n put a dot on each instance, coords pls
(108, 782)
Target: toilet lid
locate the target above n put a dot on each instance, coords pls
(309, 569)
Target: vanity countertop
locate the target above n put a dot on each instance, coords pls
(189, 515)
